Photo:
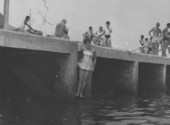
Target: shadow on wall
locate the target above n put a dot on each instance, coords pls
(26, 73)
(112, 75)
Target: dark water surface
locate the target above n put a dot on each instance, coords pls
(146, 109)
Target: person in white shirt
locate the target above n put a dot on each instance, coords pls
(99, 37)
(141, 41)
(25, 24)
(108, 32)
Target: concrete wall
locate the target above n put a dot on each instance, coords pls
(45, 66)
(130, 73)
(115, 75)
(151, 77)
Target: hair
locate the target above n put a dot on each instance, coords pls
(27, 17)
(168, 24)
(90, 27)
(142, 36)
(146, 39)
(86, 40)
(108, 22)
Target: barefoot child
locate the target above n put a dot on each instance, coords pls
(86, 66)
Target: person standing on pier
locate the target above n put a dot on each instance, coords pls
(108, 32)
(86, 66)
(99, 37)
(156, 38)
(166, 39)
(141, 41)
(61, 30)
(89, 34)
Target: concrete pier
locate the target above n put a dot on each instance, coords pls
(47, 67)
(128, 72)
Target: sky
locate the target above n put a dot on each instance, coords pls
(129, 18)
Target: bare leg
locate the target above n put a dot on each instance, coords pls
(164, 47)
(86, 74)
(81, 77)
(154, 48)
(157, 48)
(106, 42)
(109, 43)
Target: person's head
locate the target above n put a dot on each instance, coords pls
(168, 25)
(100, 28)
(146, 39)
(90, 29)
(87, 43)
(142, 36)
(27, 18)
(64, 21)
(107, 23)
(158, 25)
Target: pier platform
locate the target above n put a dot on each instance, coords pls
(47, 67)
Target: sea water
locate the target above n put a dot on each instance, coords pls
(109, 109)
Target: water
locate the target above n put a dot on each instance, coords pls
(146, 109)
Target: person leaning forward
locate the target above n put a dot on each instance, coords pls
(61, 29)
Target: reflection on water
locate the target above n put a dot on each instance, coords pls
(147, 109)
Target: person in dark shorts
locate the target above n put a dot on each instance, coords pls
(108, 32)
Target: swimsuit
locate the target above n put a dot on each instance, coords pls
(86, 63)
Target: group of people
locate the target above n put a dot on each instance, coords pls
(101, 37)
(158, 39)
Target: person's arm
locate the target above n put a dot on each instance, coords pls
(167, 34)
(84, 34)
(150, 33)
(110, 29)
(161, 35)
(102, 33)
(94, 58)
(29, 26)
(140, 41)
(65, 29)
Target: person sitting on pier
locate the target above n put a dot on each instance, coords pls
(156, 38)
(86, 66)
(166, 39)
(99, 37)
(25, 25)
(141, 41)
(108, 35)
(61, 30)
(89, 34)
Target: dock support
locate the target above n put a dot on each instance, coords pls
(152, 77)
(6, 14)
(115, 75)
(70, 73)
(128, 81)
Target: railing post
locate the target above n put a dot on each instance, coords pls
(6, 14)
